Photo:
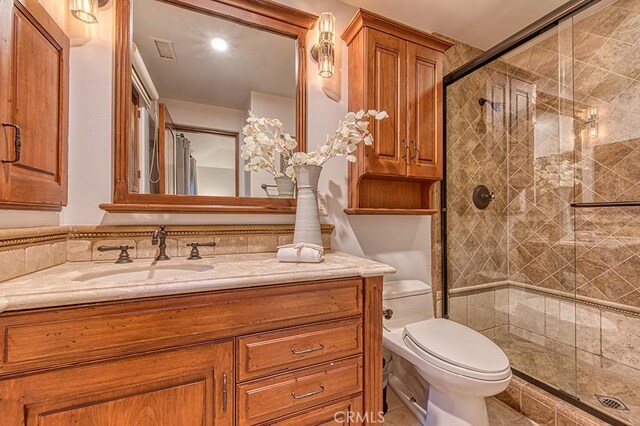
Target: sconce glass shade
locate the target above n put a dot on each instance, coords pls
(84, 10)
(327, 27)
(324, 52)
(326, 59)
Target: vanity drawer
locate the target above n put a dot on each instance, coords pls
(53, 337)
(281, 351)
(274, 397)
(345, 412)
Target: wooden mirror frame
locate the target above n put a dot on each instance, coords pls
(262, 14)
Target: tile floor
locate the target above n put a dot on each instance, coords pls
(589, 375)
(499, 414)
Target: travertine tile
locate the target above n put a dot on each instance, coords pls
(60, 252)
(285, 239)
(13, 263)
(537, 410)
(79, 250)
(481, 310)
(567, 323)
(231, 245)
(621, 338)
(39, 257)
(526, 310)
(262, 243)
(501, 307)
(458, 309)
(530, 336)
(588, 328)
(552, 318)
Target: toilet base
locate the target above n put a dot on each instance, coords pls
(450, 409)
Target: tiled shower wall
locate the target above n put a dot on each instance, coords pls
(457, 55)
(537, 160)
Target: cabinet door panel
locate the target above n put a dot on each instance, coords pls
(387, 91)
(35, 66)
(425, 106)
(178, 387)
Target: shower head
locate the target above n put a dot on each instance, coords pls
(496, 106)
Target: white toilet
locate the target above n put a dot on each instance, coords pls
(441, 370)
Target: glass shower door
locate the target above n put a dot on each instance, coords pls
(511, 265)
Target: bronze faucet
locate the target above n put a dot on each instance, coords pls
(160, 236)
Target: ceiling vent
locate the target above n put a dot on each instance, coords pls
(165, 49)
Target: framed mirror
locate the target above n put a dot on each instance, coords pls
(187, 74)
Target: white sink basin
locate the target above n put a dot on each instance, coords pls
(156, 272)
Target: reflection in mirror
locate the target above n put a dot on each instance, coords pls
(194, 79)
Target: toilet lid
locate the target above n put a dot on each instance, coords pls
(458, 345)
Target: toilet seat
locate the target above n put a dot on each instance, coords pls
(457, 349)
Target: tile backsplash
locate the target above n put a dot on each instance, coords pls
(27, 250)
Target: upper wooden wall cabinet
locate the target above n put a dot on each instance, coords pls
(397, 69)
(34, 83)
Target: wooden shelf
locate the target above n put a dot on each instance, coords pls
(396, 212)
(176, 208)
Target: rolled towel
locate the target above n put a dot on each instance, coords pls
(301, 253)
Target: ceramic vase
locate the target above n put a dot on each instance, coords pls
(285, 187)
(307, 228)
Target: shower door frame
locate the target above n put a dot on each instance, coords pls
(547, 22)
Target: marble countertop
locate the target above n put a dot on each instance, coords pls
(67, 284)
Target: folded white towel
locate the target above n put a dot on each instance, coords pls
(301, 253)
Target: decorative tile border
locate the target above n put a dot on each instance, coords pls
(27, 250)
(586, 301)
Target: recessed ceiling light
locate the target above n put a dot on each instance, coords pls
(219, 44)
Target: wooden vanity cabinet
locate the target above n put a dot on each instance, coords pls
(397, 69)
(34, 82)
(295, 354)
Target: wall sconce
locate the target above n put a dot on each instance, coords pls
(86, 10)
(592, 122)
(323, 53)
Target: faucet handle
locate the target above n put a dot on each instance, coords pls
(124, 253)
(195, 253)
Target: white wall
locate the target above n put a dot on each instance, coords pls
(284, 109)
(201, 115)
(216, 181)
(403, 242)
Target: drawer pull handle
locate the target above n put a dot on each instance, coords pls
(306, 351)
(307, 395)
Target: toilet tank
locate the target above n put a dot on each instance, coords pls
(410, 301)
